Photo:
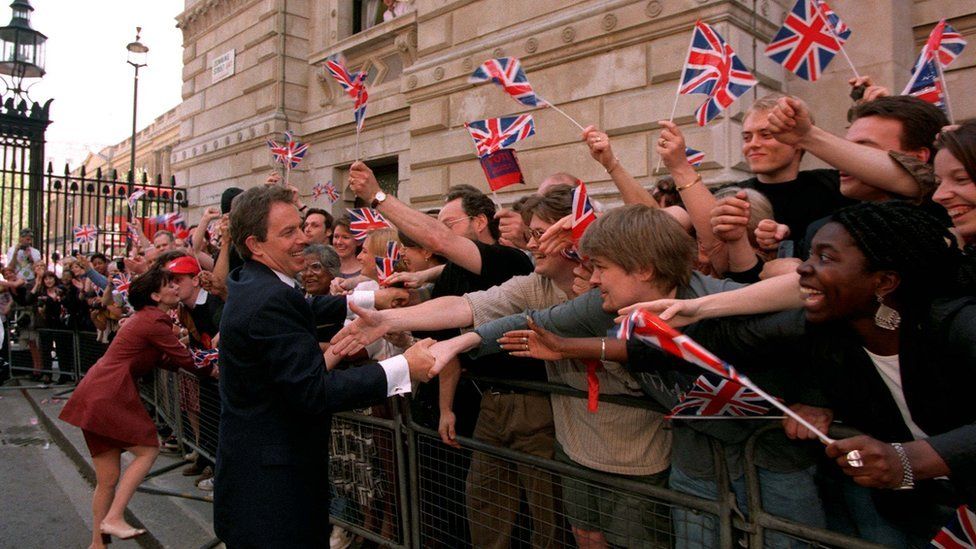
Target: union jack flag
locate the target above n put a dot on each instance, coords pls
(134, 198)
(713, 69)
(131, 232)
(927, 85)
(172, 219)
(85, 234)
(121, 282)
(327, 189)
(583, 213)
(353, 84)
(507, 73)
(364, 220)
(650, 329)
(204, 358)
(942, 47)
(290, 152)
(806, 43)
(386, 265)
(947, 40)
(960, 533)
(499, 133)
(695, 158)
(725, 398)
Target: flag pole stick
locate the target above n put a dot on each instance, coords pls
(568, 117)
(677, 91)
(775, 402)
(945, 86)
(723, 417)
(840, 44)
(357, 142)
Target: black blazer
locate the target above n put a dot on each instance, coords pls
(271, 485)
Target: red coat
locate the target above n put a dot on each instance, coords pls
(106, 402)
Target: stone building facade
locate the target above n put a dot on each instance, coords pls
(154, 150)
(611, 63)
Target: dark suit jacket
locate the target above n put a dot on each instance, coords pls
(271, 484)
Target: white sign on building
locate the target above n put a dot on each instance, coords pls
(223, 67)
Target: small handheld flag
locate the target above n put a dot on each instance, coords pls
(507, 72)
(960, 533)
(290, 153)
(85, 234)
(386, 265)
(927, 83)
(354, 84)
(134, 198)
(121, 282)
(493, 134)
(695, 158)
(204, 358)
(582, 212)
(651, 330)
(810, 37)
(713, 69)
(364, 220)
(501, 169)
(725, 398)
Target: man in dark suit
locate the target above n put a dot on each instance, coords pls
(271, 484)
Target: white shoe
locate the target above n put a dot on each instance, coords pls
(340, 538)
(206, 484)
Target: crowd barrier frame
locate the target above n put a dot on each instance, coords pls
(166, 403)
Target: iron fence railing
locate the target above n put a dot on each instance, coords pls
(395, 483)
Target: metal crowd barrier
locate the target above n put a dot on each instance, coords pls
(395, 483)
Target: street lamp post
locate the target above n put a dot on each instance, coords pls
(137, 58)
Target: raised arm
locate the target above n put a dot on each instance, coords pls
(790, 123)
(630, 190)
(420, 227)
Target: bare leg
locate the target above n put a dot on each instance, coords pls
(107, 467)
(131, 479)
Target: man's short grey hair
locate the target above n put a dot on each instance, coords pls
(326, 255)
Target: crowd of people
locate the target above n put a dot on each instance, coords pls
(848, 292)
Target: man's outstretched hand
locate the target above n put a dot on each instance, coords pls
(420, 360)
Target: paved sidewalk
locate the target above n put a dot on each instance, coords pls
(61, 492)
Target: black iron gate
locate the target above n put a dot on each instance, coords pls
(54, 206)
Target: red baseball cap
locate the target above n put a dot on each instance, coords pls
(184, 265)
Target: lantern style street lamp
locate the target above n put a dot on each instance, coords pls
(138, 53)
(21, 48)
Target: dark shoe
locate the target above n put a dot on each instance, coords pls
(207, 473)
(192, 470)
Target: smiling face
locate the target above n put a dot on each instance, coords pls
(550, 266)
(368, 262)
(315, 276)
(618, 288)
(284, 245)
(770, 160)
(835, 280)
(957, 194)
(343, 242)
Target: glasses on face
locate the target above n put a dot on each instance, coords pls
(315, 267)
(452, 222)
(536, 234)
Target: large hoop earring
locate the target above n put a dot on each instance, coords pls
(886, 318)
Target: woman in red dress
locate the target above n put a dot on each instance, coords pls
(106, 403)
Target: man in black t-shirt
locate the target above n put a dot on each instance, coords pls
(798, 197)
(466, 234)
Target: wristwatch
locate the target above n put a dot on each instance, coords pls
(378, 199)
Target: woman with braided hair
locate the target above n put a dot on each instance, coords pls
(888, 332)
